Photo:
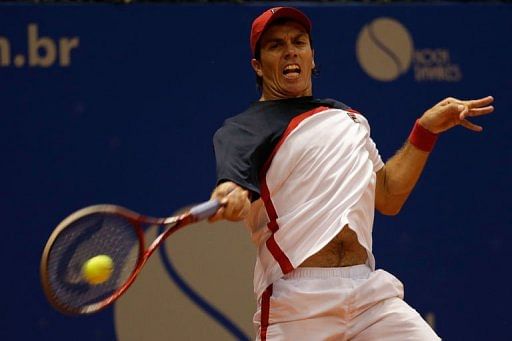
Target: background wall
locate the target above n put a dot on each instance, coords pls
(106, 103)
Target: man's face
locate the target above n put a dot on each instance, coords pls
(286, 62)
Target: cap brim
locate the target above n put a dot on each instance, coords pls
(291, 13)
(261, 23)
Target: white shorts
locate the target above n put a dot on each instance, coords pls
(349, 303)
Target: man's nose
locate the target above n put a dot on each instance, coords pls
(291, 50)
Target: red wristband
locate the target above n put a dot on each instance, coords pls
(421, 138)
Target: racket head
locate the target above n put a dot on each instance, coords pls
(95, 230)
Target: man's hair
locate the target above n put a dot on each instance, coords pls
(257, 51)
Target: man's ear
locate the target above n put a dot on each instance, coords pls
(313, 66)
(256, 65)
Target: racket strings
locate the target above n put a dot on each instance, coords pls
(92, 235)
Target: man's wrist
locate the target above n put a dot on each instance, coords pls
(422, 138)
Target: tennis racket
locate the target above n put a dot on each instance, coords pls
(103, 230)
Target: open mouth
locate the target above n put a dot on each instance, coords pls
(291, 71)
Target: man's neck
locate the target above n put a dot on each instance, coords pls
(274, 98)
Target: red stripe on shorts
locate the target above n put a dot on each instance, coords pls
(265, 312)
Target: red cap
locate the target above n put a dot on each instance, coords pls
(261, 23)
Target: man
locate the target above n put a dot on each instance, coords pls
(306, 176)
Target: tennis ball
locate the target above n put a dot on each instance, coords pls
(97, 269)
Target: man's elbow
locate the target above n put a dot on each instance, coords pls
(389, 210)
(391, 205)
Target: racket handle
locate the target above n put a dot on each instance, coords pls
(205, 210)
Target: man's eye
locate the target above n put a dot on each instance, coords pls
(300, 43)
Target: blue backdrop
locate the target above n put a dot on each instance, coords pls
(118, 104)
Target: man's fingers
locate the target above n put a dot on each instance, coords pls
(463, 111)
(466, 111)
(234, 202)
(453, 111)
(217, 216)
(224, 189)
(480, 111)
(481, 102)
(237, 208)
(234, 212)
(472, 103)
(471, 126)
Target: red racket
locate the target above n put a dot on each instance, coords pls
(103, 230)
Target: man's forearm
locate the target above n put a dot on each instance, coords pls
(400, 174)
(404, 169)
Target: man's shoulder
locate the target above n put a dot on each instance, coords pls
(292, 105)
(248, 113)
(276, 111)
(284, 110)
(260, 119)
(332, 103)
(354, 114)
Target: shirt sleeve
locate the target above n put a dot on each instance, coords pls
(238, 156)
(371, 147)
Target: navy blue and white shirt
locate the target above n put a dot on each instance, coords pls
(310, 166)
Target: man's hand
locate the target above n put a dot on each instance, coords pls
(234, 200)
(452, 111)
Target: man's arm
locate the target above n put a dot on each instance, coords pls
(235, 201)
(396, 180)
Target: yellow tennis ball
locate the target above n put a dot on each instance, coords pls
(98, 269)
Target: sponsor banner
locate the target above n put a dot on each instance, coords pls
(385, 50)
(118, 104)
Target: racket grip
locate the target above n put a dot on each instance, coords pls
(205, 210)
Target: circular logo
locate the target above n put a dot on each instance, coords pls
(384, 49)
(195, 284)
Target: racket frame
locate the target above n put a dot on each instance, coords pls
(171, 225)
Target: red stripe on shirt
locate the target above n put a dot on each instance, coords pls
(273, 247)
(352, 111)
(279, 255)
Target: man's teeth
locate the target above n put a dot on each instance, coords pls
(291, 69)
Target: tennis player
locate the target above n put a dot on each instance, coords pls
(306, 176)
